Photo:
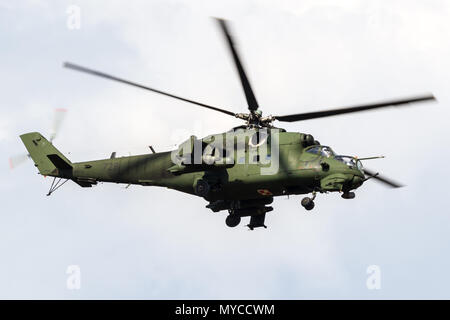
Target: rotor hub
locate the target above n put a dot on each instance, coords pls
(255, 118)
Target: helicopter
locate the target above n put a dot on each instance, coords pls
(239, 171)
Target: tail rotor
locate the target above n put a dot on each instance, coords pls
(60, 115)
(58, 119)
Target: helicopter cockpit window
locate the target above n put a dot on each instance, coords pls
(350, 162)
(314, 150)
(327, 152)
(321, 151)
(359, 165)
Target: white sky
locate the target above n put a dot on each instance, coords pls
(144, 242)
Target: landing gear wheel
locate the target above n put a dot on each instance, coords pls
(201, 188)
(232, 220)
(308, 203)
(348, 195)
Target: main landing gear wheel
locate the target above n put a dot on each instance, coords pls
(232, 220)
(308, 203)
(201, 188)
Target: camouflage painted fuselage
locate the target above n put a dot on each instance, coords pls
(298, 172)
(243, 177)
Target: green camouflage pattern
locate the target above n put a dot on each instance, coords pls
(239, 182)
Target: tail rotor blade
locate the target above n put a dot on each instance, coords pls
(60, 114)
(17, 160)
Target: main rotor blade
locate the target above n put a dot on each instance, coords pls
(333, 112)
(382, 179)
(249, 95)
(110, 77)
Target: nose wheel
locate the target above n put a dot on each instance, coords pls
(308, 203)
(348, 195)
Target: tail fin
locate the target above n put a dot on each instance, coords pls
(48, 160)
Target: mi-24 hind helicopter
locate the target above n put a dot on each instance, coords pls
(239, 171)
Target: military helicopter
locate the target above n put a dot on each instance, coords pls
(239, 171)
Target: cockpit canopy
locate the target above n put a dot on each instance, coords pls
(350, 161)
(327, 152)
(323, 151)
